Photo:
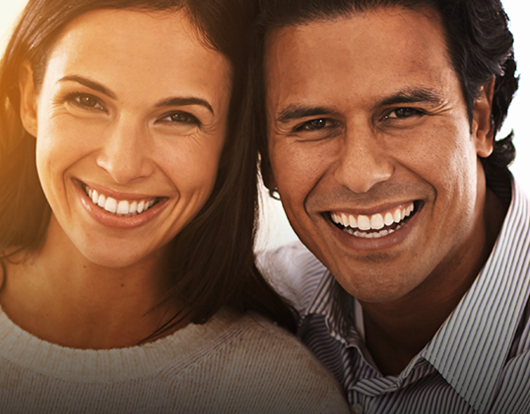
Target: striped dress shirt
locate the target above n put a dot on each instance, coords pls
(478, 361)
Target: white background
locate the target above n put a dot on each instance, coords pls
(274, 228)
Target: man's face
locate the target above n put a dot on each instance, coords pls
(371, 149)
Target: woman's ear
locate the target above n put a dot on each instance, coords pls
(482, 127)
(28, 99)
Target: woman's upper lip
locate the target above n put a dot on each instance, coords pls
(118, 195)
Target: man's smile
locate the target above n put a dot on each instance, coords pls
(376, 225)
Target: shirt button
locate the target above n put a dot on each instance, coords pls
(357, 409)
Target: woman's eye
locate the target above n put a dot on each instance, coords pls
(402, 113)
(181, 118)
(86, 101)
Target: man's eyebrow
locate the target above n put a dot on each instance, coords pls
(183, 101)
(89, 84)
(301, 111)
(412, 96)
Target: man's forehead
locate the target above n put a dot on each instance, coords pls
(306, 32)
(388, 48)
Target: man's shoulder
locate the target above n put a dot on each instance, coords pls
(293, 271)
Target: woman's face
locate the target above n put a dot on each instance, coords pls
(130, 122)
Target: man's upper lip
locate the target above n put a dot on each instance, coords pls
(118, 195)
(369, 211)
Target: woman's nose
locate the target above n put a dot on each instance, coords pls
(125, 154)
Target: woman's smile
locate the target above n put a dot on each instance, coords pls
(120, 208)
(117, 209)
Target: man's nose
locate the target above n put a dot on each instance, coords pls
(125, 152)
(363, 160)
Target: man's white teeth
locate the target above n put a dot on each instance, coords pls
(119, 208)
(377, 222)
(358, 226)
(363, 222)
(372, 235)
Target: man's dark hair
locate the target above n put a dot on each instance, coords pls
(479, 44)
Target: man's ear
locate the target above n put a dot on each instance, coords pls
(28, 99)
(266, 173)
(482, 127)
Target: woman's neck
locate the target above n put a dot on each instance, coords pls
(61, 297)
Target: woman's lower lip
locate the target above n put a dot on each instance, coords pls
(111, 220)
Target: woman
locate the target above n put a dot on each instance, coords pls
(127, 239)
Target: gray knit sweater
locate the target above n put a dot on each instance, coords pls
(232, 364)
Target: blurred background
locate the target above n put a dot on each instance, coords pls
(274, 228)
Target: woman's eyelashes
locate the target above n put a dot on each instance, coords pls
(92, 103)
(85, 101)
(179, 118)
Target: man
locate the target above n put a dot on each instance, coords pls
(381, 119)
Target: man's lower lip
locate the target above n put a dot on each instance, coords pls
(111, 220)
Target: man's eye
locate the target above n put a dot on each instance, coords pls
(315, 125)
(180, 118)
(402, 113)
(86, 102)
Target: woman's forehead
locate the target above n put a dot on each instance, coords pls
(138, 52)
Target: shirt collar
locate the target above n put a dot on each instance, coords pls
(323, 303)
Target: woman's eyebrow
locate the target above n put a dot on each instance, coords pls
(89, 84)
(182, 101)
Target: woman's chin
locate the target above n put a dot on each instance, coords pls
(117, 257)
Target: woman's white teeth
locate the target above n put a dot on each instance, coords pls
(120, 208)
(123, 207)
(358, 226)
(110, 205)
(133, 207)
